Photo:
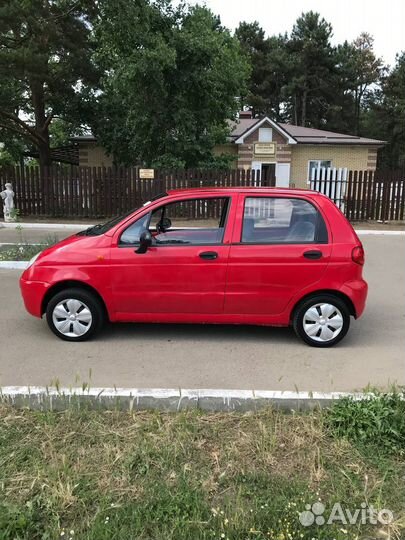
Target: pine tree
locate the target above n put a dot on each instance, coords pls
(45, 67)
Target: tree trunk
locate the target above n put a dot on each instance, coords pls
(304, 108)
(41, 123)
(44, 155)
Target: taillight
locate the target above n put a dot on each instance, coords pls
(358, 255)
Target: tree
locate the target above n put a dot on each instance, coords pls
(270, 69)
(45, 67)
(173, 76)
(366, 70)
(384, 117)
(311, 87)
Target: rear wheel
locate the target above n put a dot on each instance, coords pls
(75, 314)
(322, 320)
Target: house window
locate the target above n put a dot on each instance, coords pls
(315, 164)
(265, 135)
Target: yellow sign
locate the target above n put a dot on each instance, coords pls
(265, 148)
(147, 173)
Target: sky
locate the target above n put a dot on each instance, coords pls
(384, 20)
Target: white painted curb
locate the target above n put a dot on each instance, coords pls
(13, 265)
(376, 232)
(168, 399)
(62, 226)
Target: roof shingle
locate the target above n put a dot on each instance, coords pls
(303, 135)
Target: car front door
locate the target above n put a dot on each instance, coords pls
(280, 247)
(184, 270)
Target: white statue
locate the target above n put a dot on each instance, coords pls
(8, 203)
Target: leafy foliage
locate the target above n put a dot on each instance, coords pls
(159, 82)
(303, 79)
(385, 115)
(271, 69)
(378, 421)
(173, 76)
(313, 69)
(45, 67)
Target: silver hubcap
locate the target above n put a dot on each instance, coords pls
(323, 322)
(72, 317)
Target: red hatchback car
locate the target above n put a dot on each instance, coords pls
(263, 256)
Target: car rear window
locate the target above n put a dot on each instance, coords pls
(272, 220)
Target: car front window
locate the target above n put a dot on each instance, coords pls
(133, 232)
(187, 222)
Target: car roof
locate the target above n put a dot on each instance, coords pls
(250, 190)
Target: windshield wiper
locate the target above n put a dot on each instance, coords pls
(90, 230)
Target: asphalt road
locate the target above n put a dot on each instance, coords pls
(171, 356)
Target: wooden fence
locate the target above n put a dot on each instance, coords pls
(95, 192)
(364, 195)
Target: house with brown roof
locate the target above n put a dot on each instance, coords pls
(291, 152)
(285, 152)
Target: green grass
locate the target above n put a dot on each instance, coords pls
(191, 475)
(24, 251)
(364, 422)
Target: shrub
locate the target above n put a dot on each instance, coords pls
(378, 420)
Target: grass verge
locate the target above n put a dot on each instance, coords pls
(144, 475)
(23, 251)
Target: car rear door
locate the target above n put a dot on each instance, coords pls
(184, 271)
(280, 247)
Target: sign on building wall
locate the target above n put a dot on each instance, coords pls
(265, 148)
(147, 173)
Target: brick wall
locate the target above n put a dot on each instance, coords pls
(352, 157)
(246, 151)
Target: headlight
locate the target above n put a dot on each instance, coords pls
(34, 258)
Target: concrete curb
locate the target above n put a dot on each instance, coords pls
(62, 226)
(376, 232)
(166, 399)
(13, 265)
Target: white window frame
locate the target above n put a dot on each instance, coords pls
(318, 161)
(265, 135)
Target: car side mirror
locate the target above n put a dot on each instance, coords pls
(145, 241)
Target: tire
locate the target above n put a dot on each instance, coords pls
(321, 320)
(75, 314)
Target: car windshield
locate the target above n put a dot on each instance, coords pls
(102, 228)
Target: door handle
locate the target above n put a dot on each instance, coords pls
(209, 255)
(313, 254)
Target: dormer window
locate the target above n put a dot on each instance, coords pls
(265, 134)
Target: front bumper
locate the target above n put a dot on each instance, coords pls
(33, 293)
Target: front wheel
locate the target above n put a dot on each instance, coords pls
(322, 320)
(74, 314)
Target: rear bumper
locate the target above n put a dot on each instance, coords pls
(33, 293)
(357, 292)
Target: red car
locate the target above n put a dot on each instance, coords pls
(263, 256)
